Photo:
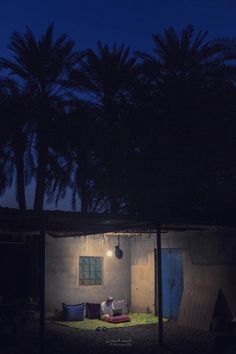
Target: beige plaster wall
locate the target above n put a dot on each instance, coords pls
(214, 276)
(133, 277)
(208, 258)
(62, 270)
(142, 266)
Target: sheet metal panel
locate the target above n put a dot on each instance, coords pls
(197, 306)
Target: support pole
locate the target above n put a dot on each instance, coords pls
(159, 272)
(42, 287)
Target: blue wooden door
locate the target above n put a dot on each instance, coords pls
(172, 281)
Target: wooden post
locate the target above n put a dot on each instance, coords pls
(42, 286)
(155, 282)
(159, 273)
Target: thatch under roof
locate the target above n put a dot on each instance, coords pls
(67, 223)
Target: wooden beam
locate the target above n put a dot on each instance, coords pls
(159, 273)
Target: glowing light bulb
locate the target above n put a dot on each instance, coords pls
(109, 253)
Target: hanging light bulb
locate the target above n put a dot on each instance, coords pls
(109, 253)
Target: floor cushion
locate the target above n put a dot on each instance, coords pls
(118, 319)
(73, 312)
(93, 310)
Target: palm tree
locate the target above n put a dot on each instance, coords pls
(72, 163)
(226, 47)
(6, 175)
(16, 147)
(82, 143)
(108, 76)
(43, 65)
(183, 76)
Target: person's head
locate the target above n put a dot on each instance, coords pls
(109, 300)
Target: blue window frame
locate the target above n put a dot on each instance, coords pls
(90, 270)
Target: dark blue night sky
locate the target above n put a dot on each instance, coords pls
(128, 21)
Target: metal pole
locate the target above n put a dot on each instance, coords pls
(159, 272)
(42, 286)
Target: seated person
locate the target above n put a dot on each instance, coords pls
(107, 308)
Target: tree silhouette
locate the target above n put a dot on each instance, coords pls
(144, 134)
(184, 75)
(42, 64)
(76, 156)
(16, 147)
(108, 77)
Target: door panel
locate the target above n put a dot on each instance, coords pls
(166, 293)
(172, 281)
(177, 280)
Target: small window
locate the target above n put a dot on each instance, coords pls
(90, 270)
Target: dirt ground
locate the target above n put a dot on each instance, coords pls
(138, 340)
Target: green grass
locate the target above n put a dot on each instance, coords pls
(136, 320)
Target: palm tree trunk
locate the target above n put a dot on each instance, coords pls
(41, 173)
(83, 183)
(114, 205)
(83, 196)
(20, 176)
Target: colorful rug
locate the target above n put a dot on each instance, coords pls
(137, 319)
